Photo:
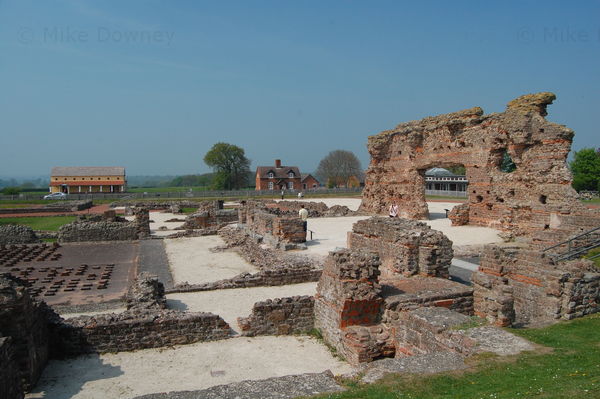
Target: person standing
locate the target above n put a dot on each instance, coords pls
(303, 213)
(394, 210)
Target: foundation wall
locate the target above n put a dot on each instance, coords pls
(538, 289)
(17, 234)
(135, 330)
(405, 247)
(280, 316)
(24, 321)
(284, 229)
(10, 383)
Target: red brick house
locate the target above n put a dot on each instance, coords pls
(278, 177)
(309, 181)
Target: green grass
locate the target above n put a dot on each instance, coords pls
(592, 201)
(25, 203)
(570, 370)
(591, 253)
(442, 197)
(188, 210)
(164, 189)
(50, 223)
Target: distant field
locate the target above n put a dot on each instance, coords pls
(164, 189)
(50, 223)
(24, 203)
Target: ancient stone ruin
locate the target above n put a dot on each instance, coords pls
(405, 247)
(524, 286)
(108, 227)
(31, 333)
(536, 199)
(390, 270)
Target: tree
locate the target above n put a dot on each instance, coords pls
(230, 165)
(338, 167)
(586, 170)
(11, 190)
(507, 165)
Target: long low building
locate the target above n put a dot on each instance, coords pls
(89, 179)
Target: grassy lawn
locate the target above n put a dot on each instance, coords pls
(570, 370)
(592, 201)
(188, 210)
(441, 197)
(50, 223)
(25, 203)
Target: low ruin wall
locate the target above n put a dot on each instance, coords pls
(60, 207)
(109, 228)
(213, 219)
(17, 234)
(25, 322)
(280, 316)
(286, 229)
(135, 330)
(525, 286)
(404, 246)
(10, 383)
(98, 231)
(264, 278)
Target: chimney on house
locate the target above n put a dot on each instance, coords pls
(278, 163)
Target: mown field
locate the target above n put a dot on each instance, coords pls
(49, 223)
(567, 366)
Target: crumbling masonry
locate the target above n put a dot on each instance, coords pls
(534, 200)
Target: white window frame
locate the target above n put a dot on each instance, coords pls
(271, 175)
(291, 175)
(270, 185)
(291, 185)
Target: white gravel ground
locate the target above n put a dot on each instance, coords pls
(233, 303)
(187, 367)
(190, 260)
(330, 233)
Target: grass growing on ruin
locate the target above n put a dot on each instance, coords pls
(592, 253)
(570, 370)
(48, 223)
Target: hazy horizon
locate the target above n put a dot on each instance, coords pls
(152, 85)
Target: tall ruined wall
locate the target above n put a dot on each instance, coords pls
(525, 286)
(533, 198)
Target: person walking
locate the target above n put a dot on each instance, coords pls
(394, 210)
(303, 213)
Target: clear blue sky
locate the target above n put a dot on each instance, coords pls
(152, 85)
